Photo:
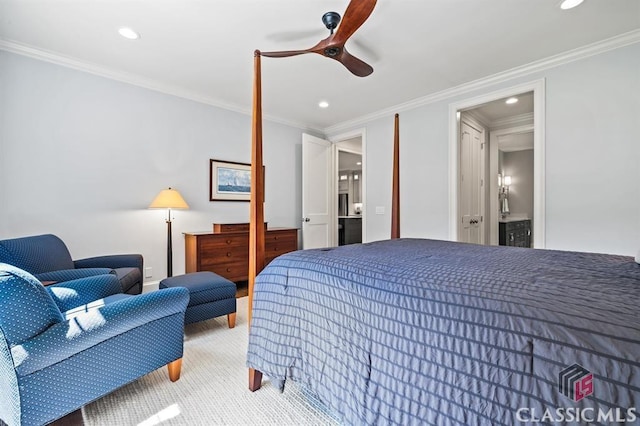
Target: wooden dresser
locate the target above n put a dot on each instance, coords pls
(226, 250)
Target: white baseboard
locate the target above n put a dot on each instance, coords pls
(150, 286)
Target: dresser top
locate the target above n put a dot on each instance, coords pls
(236, 232)
(512, 219)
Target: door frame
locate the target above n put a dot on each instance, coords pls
(362, 133)
(538, 89)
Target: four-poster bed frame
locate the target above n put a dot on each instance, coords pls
(256, 216)
(414, 330)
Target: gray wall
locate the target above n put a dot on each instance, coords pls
(592, 158)
(83, 156)
(519, 165)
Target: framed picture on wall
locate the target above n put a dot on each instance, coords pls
(229, 181)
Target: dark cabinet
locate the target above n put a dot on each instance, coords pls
(349, 230)
(515, 233)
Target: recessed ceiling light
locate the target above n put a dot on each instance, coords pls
(511, 101)
(570, 4)
(323, 104)
(128, 33)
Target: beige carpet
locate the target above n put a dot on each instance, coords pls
(212, 389)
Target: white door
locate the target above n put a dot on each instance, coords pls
(471, 185)
(318, 193)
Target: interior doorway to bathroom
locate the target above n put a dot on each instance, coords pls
(497, 164)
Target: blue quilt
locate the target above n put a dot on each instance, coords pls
(415, 331)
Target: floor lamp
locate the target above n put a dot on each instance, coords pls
(169, 199)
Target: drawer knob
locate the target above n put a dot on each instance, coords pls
(228, 269)
(275, 238)
(228, 241)
(228, 254)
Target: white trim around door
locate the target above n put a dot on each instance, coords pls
(538, 89)
(362, 133)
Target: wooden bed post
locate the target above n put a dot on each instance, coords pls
(256, 217)
(395, 191)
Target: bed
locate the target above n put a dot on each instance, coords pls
(411, 331)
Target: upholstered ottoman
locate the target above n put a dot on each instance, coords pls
(210, 296)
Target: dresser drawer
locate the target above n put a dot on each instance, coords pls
(230, 271)
(213, 243)
(282, 240)
(227, 253)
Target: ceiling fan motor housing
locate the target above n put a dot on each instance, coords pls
(331, 20)
(332, 51)
(358, 11)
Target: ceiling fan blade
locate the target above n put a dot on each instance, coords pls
(357, 12)
(283, 53)
(353, 64)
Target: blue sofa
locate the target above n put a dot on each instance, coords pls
(68, 344)
(48, 259)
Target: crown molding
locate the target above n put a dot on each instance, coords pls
(479, 117)
(513, 121)
(136, 80)
(612, 43)
(599, 47)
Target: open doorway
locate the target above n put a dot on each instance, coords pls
(320, 188)
(512, 215)
(349, 196)
(497, 168)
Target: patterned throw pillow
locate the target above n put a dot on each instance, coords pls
(26, 309)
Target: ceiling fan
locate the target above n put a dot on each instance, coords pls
(333, 46)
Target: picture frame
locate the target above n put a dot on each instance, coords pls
(229, 181)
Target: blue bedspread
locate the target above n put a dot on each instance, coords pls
(431, 332)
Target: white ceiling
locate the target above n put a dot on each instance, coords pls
(492, 113)
(515, 142)
(204, 49)
(499, 109)
(349, 161)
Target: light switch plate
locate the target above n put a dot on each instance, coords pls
(379, 209)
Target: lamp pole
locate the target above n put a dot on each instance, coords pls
(169, 247)
(169, 199)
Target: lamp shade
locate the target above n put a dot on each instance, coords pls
(168, 199)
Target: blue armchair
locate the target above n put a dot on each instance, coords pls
(68, 344)
(48, 259)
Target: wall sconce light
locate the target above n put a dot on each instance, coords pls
(503, 195)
